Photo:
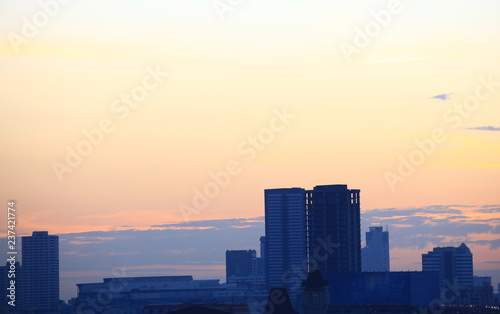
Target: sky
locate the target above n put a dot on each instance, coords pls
(123, 115)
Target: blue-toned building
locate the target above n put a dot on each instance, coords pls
(383, 288)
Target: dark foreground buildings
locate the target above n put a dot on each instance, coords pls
(241, 263)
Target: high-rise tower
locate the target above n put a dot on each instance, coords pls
(285, 249)
(334, 229)
(40, 277)
(454, 265)
(375, 255)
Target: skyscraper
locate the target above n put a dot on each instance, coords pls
(263, 247)
(240, 263)
(285, 249)
(454, 265)
(261, 264)
(375, 255)
(334, 229)
(40, 264)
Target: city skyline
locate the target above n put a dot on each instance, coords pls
(118, 253)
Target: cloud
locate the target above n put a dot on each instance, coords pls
(219, 224)
(443, 97)
(85, 242)
(485, 128)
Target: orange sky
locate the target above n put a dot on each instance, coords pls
(354, 119)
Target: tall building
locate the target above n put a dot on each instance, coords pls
(261, 265)
(375, 255)
(263, 247)
(40, 278)
(241, 263)
(286, 245)
(334, 229)
(318, 229)
(454, 265)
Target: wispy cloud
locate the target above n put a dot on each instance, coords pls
(85, 242)
(485, 128)
(443, 97)
(241, 227)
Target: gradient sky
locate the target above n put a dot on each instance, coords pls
(353, 119)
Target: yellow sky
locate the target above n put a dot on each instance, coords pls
(352, 121)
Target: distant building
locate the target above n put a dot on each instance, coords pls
(497, 296)
(261, 261)
(263, 247)
(454, 266)
(134, 293)
(481, 293)
(480, 281)
(286, 246)
(241, 263)
(375, 255)
(39, 288)
(334, 221)
(383, 289)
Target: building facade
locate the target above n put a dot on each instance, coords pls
(454, 266)
(375, 255)
(286, 245)
(240, 263)
(318, 229)
(133, 294)
(415, 288)
(40, 272)
(333, 218)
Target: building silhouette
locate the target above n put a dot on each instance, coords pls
(279, 302)
(241, 263)
(39, 288)
(286, 245)
(315, 294)
(375, 255)
(396, 289)
(315, 229)
(261, 264)
(133, 294)
(454, 265)
(333, 217)
(481, 294)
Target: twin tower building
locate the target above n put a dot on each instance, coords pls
(306, 230)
